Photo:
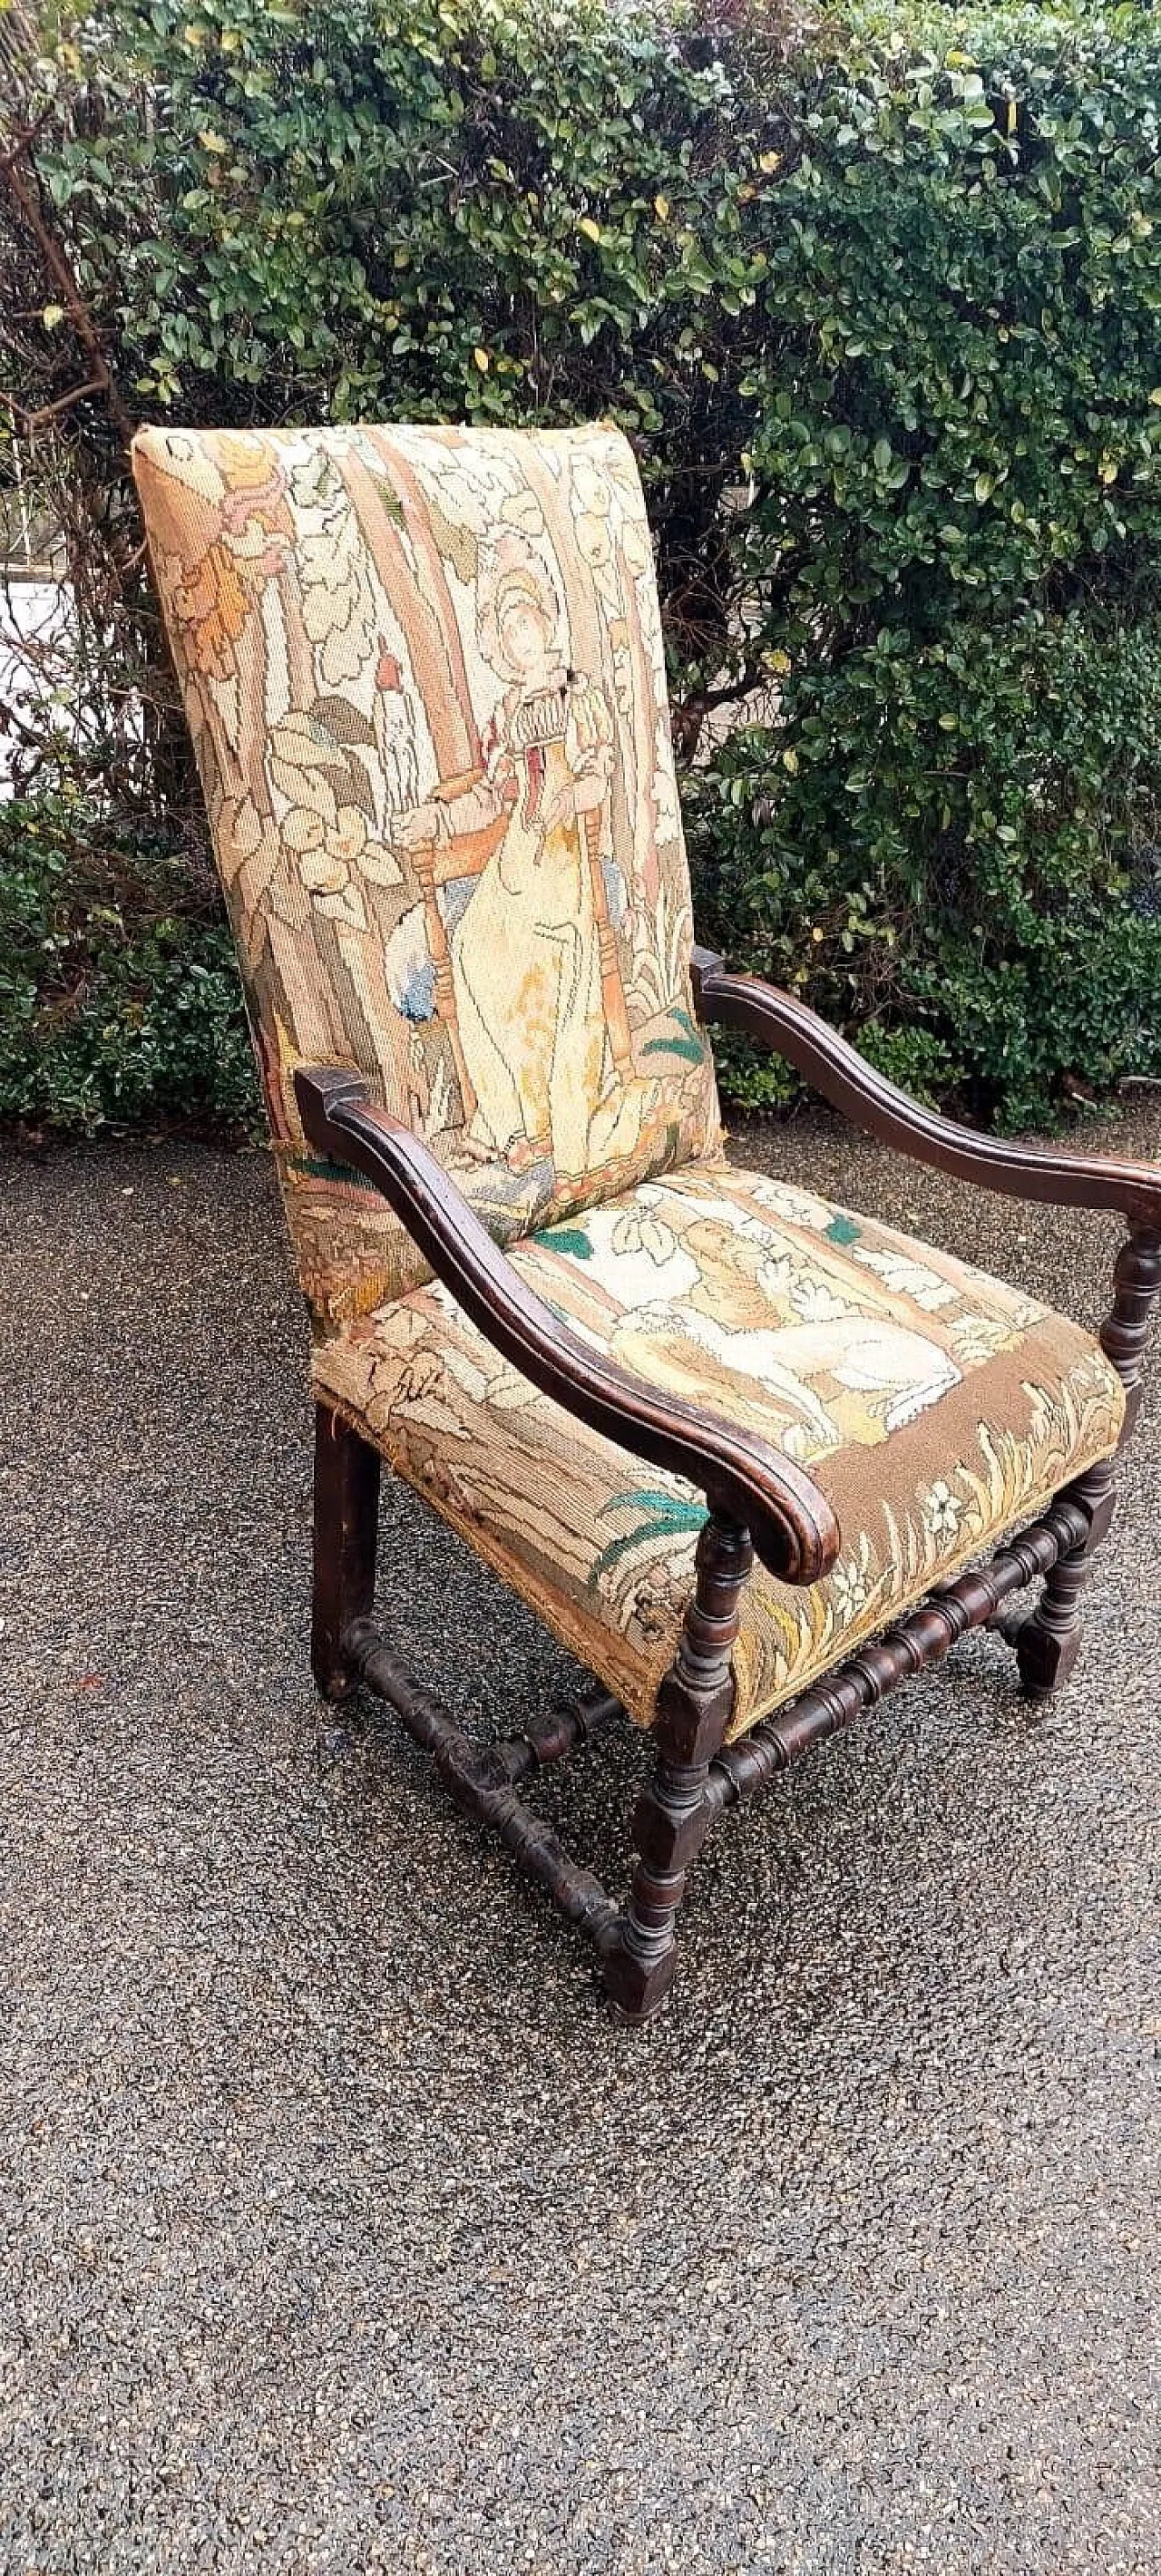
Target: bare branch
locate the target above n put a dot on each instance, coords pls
(26, 194)
(33, 420)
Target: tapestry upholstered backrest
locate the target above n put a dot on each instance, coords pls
(424, 675)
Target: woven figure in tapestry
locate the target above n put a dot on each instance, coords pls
(545, 1048)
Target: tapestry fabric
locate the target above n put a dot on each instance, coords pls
(424, 675)
(936, 1407)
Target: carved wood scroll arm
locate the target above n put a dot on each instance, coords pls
(790, 1521)
(836, 1069)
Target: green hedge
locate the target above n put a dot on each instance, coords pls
(879, 305)
(119, 999)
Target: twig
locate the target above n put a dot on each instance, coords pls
(60, 268)
(32, 420)
(24, 142)
(10, 722)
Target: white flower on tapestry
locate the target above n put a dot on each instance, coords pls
(909, 1278)
(850, 1583)
(639, 1232)
(942, 1512)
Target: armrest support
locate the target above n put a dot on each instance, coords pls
(843, 1077)
(790, 1521)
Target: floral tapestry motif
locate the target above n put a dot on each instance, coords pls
(935, 1406)
(424, 674)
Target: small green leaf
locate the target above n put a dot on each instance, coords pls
(690, 1048)
(569, 1239)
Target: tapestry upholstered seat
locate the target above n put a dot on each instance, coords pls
(424, 674)
(933, 1406)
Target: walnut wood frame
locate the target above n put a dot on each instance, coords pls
(758, 1500)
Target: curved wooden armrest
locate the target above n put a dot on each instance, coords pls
(791, 1523)
(844, 1078)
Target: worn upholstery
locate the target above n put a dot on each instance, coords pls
(424, 674)
(935, 1407)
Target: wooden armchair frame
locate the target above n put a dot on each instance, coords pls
(758, 1499)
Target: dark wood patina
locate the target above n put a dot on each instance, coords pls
(835, 1069)
(758, 1499)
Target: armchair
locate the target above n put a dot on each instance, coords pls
(753, 1457)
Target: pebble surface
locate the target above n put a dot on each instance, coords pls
(341, 2231)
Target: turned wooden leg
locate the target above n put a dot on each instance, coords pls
(1048, 1643)
(346, 1533)
(673, 1813)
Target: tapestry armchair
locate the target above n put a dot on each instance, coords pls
(752, 1457)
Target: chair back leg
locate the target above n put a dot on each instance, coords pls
(1048, 1643)
(346, 1539)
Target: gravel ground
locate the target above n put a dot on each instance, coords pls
(340, 2229)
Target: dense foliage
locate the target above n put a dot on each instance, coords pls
(118, 998)
(878, 300)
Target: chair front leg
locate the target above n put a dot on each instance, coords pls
(1048, 1643)
(346, 1538)
(673, 1813)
